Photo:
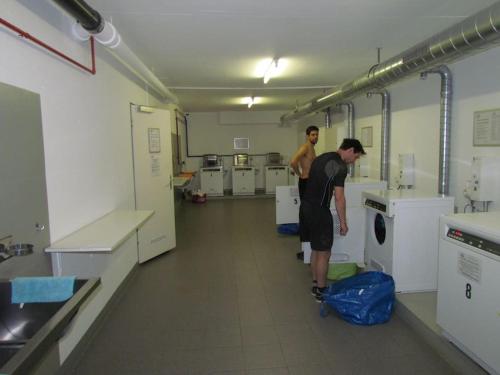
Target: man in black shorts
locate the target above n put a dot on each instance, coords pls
(326, 178)
(301, 163)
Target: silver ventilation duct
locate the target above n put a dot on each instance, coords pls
(445, 126)
(385, 134)
(350, 128)
(472, 35)
(328, 118)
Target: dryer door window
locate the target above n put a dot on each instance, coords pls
(380, 229)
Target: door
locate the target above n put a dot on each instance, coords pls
(153, 176)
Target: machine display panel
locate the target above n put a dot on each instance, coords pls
(474, 241)
(376, 205)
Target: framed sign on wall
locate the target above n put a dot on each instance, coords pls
(241, 143)
(367, 136)
(486, 127)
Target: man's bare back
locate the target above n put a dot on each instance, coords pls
(307, 155)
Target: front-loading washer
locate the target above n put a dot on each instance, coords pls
(402, 233)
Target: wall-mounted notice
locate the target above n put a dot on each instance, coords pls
(487, 128)
(155, 166)
(154, 140)
(367, 136)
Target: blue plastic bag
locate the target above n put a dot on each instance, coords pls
(365, 299)
(288, 228)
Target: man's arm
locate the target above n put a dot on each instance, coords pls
(340, 205)
(294, 163)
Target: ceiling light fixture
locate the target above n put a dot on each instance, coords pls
(271, 70)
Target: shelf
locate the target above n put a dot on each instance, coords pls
(181, 181)
(103, 235)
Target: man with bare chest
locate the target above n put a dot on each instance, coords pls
(301, 164)
(303, 158)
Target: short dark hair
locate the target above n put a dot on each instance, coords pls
(311, 129)
(348, 143)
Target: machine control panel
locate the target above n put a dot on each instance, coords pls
(242, 168)
(208, 169)
(279, 168)
(376, 205)
(474, 241)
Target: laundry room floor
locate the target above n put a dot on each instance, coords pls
(232, 298)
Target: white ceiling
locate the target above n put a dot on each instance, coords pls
(206, 51)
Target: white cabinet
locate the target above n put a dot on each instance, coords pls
(276, 175)
(243, 180)
(212, 181)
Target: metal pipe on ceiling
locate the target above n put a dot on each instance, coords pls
(89, 18)
(89, 21)
(472, 35)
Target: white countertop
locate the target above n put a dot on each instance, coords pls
(104, 234)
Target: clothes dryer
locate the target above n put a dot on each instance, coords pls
(468, 303)
(402, 232)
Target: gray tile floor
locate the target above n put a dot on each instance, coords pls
(233, 299)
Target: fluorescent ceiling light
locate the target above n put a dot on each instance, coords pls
(251, 100)
(271, 70)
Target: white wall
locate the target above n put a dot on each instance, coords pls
(415, 122)
(207, 136)
(86, 133)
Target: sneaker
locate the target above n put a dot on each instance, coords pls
(320, 294)
(314, 290)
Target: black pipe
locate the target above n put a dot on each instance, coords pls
(89, 18)
(177, 139)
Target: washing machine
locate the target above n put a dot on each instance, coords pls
(351, 247)
(243, 178)
(402, 233)
(468, 303)
(275, 175)
(212, 180)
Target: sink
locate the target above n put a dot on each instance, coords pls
(28, 332)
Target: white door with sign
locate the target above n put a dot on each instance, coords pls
(153, 176)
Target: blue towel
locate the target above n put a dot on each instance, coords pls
(42, 289)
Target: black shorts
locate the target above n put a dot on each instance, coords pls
(302, 187)
(316, 226)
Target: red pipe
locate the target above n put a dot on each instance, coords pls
(24, 34)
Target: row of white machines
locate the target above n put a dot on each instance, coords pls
(393, 231)
(243, 179)
(346, 249)
(415, 237)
